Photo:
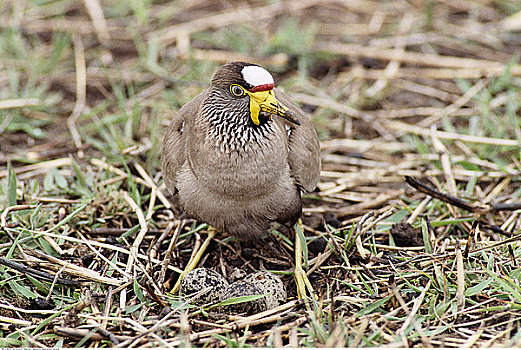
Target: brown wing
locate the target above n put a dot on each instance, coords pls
(304, 148)
(173, 153)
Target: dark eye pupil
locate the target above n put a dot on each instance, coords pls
(237, 90)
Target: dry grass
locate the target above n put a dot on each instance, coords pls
(426, 89)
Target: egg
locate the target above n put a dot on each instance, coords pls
(240, 289)
(219, 289)
(200, 279)
(270, 284)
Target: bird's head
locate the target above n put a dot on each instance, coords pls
(247, 87)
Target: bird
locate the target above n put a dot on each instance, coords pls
(238, 157)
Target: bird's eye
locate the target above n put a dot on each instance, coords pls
(236, 90)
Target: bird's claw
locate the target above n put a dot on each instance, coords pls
(301, 279)
(192, 264)
(303, 285)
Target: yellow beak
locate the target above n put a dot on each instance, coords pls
(265, 101)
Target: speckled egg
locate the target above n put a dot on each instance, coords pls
(200, 279)
(270, 284)
(240, 289)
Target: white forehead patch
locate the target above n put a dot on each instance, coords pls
(256, 75)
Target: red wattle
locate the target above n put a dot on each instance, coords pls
(263, 87)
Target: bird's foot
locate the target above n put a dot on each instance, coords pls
(192, 264)
(303, 284)
(301, 279)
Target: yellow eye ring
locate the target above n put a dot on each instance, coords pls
(237, 90)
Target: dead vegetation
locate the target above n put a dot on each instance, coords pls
(424, 90)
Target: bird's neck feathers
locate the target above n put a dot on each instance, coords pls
(230, 127)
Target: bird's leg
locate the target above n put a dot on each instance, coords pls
(195, 258)
(301, 279)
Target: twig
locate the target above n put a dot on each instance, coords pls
(168, 255)
(19, 102)
(137, 242)
(445, 162)
(91, 334)
(98, 20)
(152, 185)
(27, 311)
(44, 166)
(434, 73)
(3, 218)
(55, 280)
(418, 58)
(413, 129)
(75, 270)
(43, 275)
(419, 209)
(481, 209)
(15, 321)
(441, 196)
(364, 253)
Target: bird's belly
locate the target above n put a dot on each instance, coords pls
(243, 207)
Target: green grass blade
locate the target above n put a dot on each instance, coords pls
(238, 300)
(425, 235)
(11, 184)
